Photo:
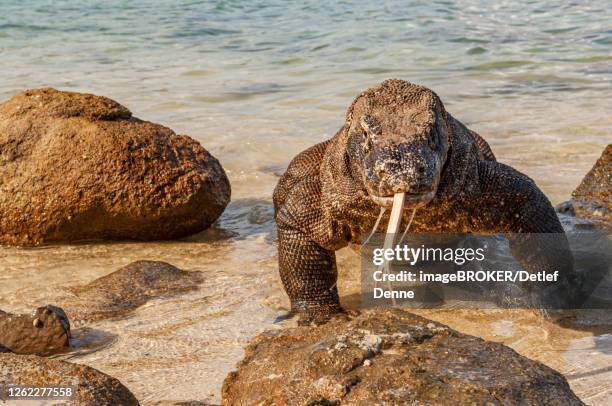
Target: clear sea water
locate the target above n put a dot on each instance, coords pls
(258, 81)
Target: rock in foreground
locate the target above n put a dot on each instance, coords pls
(592, 199)
(77, 166)
(46, 331)
(92, 386)
(126, 289)
(388, 357)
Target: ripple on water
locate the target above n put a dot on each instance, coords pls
(501, 65)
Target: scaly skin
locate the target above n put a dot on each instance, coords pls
(399, 138)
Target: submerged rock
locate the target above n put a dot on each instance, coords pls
(77, 166)
(92, 387)
(388, 357)
(592, 199)
(126, 289)
(46, 331)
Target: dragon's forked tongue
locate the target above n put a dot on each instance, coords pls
(395, 219)
(393, 226)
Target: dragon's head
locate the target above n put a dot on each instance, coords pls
(398, 141)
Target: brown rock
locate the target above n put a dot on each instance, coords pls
(92, 387)
(77, 166)
(181, 403)
(126, 289)
(592, 199)
(388, 357)
(46, 331)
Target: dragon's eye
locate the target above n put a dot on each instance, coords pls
(370, 128)
(370, 125)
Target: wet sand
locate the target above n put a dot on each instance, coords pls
(258, 83)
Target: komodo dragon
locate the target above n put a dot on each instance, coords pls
(399, 138)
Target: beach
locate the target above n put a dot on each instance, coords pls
(258, 82)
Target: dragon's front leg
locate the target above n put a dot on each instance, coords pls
(512, 203)
(309, 275)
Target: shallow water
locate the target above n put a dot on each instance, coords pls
(258, 81)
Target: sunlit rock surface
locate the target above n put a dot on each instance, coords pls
(592, 199)
(388, 356)
(43, 332)
(91, 386)
(122, 291)
(77, 166)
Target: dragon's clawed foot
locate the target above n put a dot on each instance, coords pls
(319, 314)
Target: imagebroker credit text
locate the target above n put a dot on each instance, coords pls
(467, 276)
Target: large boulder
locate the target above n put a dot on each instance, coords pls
(45, 331)
(77, 166)
(91, 386)
(592, 199)
(122, 291)
(388, 357)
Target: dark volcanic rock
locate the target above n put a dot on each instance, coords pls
(46, 331)
(77, 166)
(92, 386)
(592, 199)
(126, 289)
(388, 357)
